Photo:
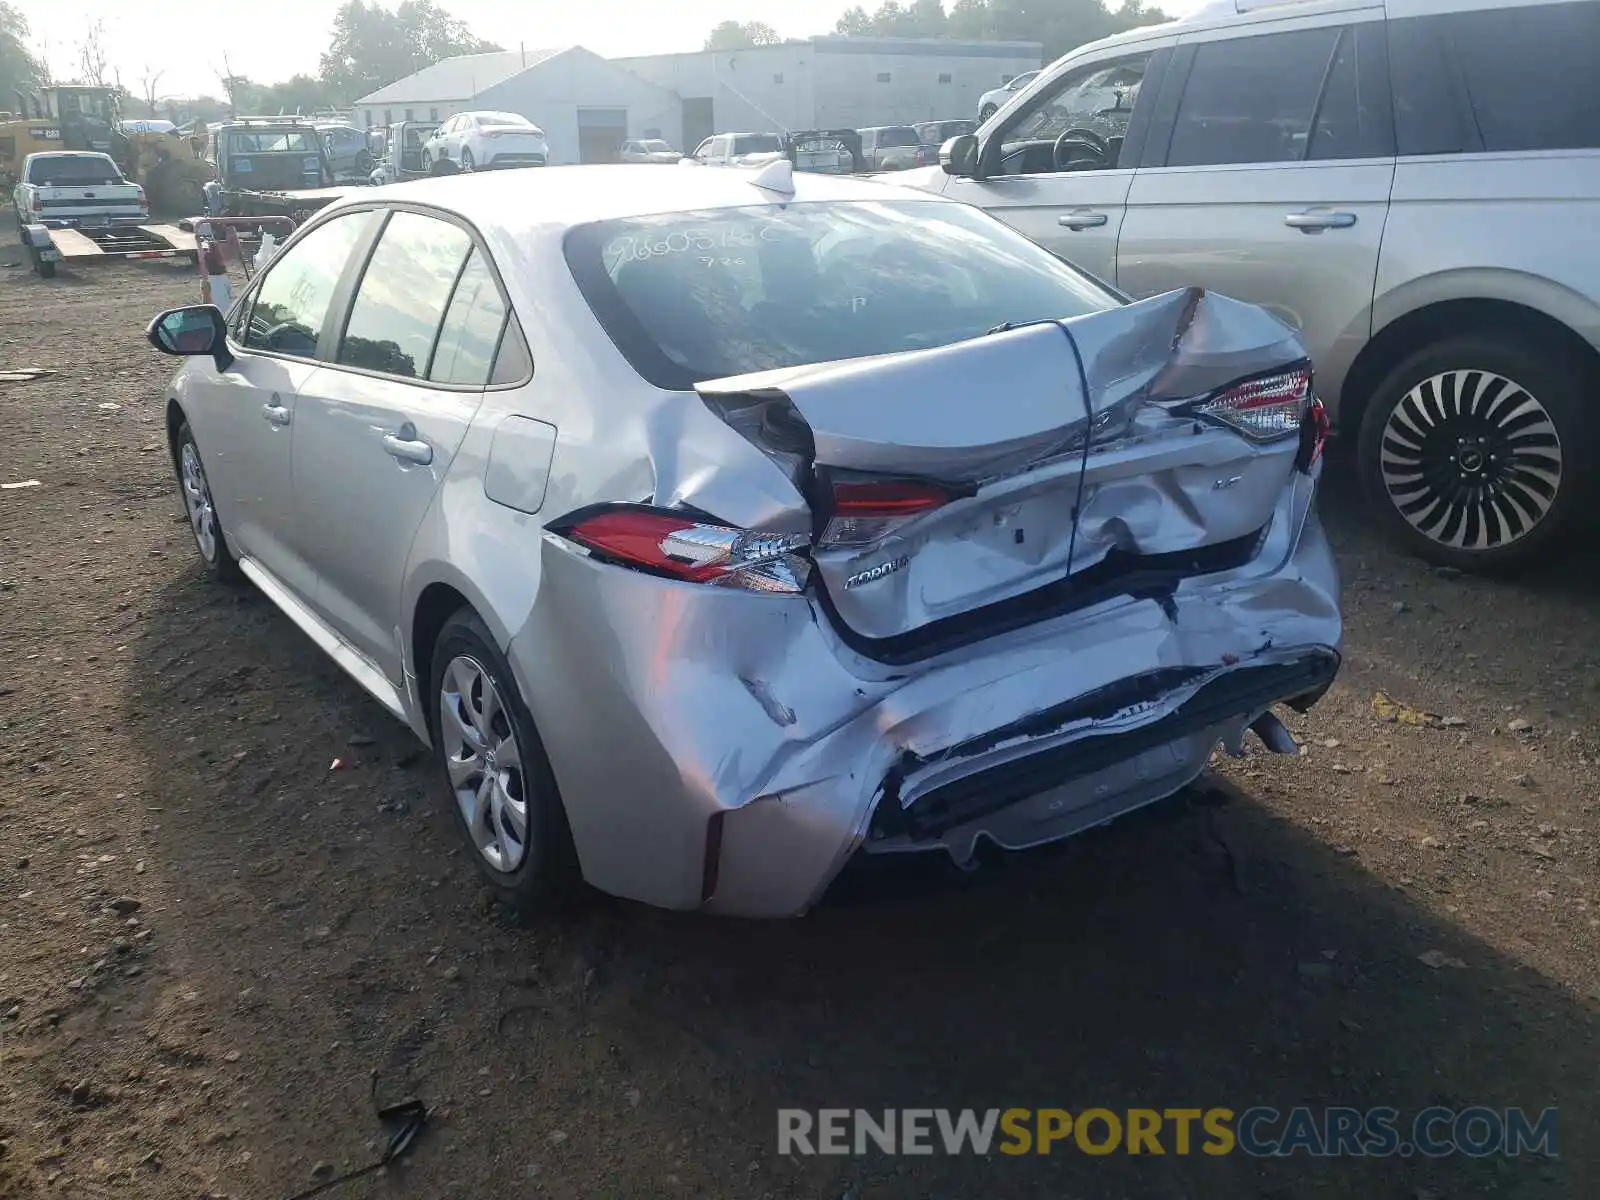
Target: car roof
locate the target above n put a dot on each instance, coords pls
(567, 196)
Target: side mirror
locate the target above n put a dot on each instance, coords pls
(959, 155)
(199, 329)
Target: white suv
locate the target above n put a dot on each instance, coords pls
(1382, 175)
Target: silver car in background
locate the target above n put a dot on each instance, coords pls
(715, 532)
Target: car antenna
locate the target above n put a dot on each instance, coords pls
(776, 176)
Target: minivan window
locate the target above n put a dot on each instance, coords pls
(757, 143)
(694, 296)
(403, 294)
(291, 305)
(471, 329)
(1527, 74)
(1251, 99)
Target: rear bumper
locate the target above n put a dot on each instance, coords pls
(728, 752)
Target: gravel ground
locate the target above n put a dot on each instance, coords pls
(215, 947)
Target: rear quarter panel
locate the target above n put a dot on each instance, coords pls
(1523, 228)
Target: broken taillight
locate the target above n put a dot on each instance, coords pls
(1314, 431)
(1265, 408)
(866, 511)
(677, 546)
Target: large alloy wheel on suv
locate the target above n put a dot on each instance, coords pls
(1474, 450)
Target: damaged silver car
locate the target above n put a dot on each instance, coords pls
(715, 532)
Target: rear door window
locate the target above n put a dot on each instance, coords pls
(1498, 79)
(291, 304)
(404, 291)
(472, 326)
(1251, 99)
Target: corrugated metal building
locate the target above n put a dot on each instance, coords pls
(833, 82)
(586, 105)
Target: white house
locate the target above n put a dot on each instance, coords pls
(586, 105)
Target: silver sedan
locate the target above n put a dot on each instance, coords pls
(716, 531)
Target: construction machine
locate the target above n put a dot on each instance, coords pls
(170, 167)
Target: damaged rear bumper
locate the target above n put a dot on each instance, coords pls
(731, 753)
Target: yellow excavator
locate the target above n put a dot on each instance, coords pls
(169, 166)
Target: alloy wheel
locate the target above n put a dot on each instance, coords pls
(1471, 459)
(197, 502)
(484, 763)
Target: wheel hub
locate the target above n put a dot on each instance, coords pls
(1471, 459)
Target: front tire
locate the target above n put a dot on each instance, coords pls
(195, 489)
(501, 788)
(987, 111)
(1475, 451)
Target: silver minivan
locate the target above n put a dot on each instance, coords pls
(1382, 175)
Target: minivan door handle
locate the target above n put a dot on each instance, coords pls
(1315, 220)
(275, 412)
(1082, 218)
(405, 445)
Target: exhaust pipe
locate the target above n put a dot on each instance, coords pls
(1274, 735)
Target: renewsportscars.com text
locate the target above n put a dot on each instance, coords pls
(1260, 1132)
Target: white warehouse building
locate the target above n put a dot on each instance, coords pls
(588, 105)
(833, 82)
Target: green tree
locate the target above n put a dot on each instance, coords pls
(734, 35)
(17, 68)
(371, 46)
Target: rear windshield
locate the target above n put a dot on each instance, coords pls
(498, 118)
(66, 171)
(694, 296)
(757, 143)
(292, 141)
(900, 135)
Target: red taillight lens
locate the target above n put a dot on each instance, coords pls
(1264, 409)
(867, 510)
(667, 543)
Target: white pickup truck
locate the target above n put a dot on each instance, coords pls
(77, 190)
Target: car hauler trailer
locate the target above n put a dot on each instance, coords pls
(90, 246)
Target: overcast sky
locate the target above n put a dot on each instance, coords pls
(291, 34)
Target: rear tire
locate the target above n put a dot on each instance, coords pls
(1476, 451)
(45, 270)
(194, 489)
(468, 163)
(497, 777)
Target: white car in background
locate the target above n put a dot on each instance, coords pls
(649, 150)
(481, 141)
(992, 101)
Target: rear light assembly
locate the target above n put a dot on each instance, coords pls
(677, 546)
(865, 511)
(1263, 409)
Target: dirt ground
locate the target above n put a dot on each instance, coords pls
(213, 947)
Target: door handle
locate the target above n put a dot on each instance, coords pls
(406, 446)
(1315, 220)
(275, 412)
(1082, 218)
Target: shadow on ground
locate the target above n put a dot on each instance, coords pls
(1194, 956)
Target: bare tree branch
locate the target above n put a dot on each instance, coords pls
(92, 55)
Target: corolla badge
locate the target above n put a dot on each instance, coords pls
(873, 574)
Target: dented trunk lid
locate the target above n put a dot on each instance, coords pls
(982, 443)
